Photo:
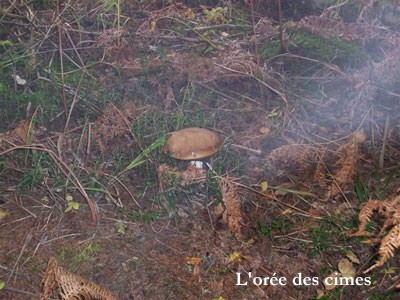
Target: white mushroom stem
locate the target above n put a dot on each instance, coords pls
(197, 164)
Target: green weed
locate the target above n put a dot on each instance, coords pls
(361, 190)
(321, 238)
(86, 255)
(280, 225)
(39, 167)
(381, 295)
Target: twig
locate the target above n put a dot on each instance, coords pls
(280, 26)
(385, 133)
(28, 238)
(20, 291)
(219, 26)
(278, 201)
(256, 151)
(115, 178)
(60, 50)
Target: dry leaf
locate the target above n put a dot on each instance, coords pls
(353, 258)
(193, 260)
(3, 214)
(264, 186)
(264, 130)
(197, 272)
(346, 268)
(330, 285)
(22, 130)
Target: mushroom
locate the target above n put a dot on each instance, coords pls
(192, 144)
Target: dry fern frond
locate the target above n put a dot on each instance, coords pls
(387, 248)
(320, 172)
(365, 216)
(70, 286)
(232, 216)
(348, 154)
(389, 210)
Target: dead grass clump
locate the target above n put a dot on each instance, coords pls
(232, 215)
(111, 130)
(20, 135)
(69, 285)
(390, 211)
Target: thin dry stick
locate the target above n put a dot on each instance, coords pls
(60, 50)
(278, 201)
(27, 240)
(124, 186)
(280, 26)
(382, 155)
(67, 172)
(88, 144)
(74, 101)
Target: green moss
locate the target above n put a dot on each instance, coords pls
(328, 50)
(309, 45)
(270, 50)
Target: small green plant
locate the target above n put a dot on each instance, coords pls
(281, 225)
(321, 238)
(2, 285)
(217, 15)
(146, 217)
(140, 159)
(389, 295)
(86, 255)
(40, 163)
(121, 228)
(72, 205)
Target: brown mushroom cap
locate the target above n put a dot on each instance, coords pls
(192, 144)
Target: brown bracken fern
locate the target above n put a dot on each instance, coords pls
(390, 211)
(70, 286)
(347, 158)
(232, 215)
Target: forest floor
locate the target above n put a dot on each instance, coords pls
(304, 190)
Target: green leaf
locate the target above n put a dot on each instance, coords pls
(6, 43)
(140, 158)
(2, 285)
(121, 228)
(72, 205)
(361, 190)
